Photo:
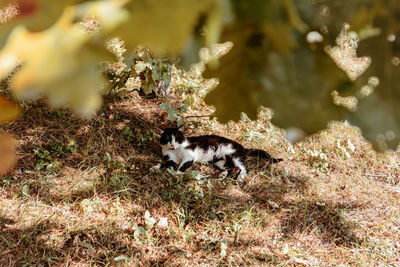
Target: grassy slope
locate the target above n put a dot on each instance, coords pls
(307, 210)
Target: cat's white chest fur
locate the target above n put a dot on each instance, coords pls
(175, 155)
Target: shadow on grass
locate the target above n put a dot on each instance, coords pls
(45, 244)
(40, 128)
(326, 220)
(126, 175)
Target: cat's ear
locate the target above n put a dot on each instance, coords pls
(160, 131)
(181, 128)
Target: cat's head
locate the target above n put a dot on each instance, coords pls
(172, 137)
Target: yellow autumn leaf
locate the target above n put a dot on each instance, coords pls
(36, 15)
(164, 25)
(8, 110)
(7, 153)
(60, 63)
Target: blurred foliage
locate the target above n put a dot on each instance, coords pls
(59, 62)
(273, 64)
(163, 25)
(296, 57)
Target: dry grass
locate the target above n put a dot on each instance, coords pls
(90, 210)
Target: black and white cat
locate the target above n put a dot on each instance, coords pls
(181, 152)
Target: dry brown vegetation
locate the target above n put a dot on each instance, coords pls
(89, 207)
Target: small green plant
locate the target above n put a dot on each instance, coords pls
(195, 200)
(48, 157)
(210, 244)
(45, 160)
(61, 150)
(243, 221)
(155, 71)
(58, 114)
(318, 159)
(315, 158)
(138, 135)
(140, 72)
(149, 221)
(175, 115)
(345, 149)
(6, 180)
(117, 175)
(25, 191)
(142, 234)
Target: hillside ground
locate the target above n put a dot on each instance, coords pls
(81, 195)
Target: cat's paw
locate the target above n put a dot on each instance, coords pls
(178, 172)
(241, 179)
(223, 174)
(155, 168)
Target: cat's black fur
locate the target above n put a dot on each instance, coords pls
(181, 152)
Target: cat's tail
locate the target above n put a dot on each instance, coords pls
(262, 154)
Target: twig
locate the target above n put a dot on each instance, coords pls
(198, 116)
